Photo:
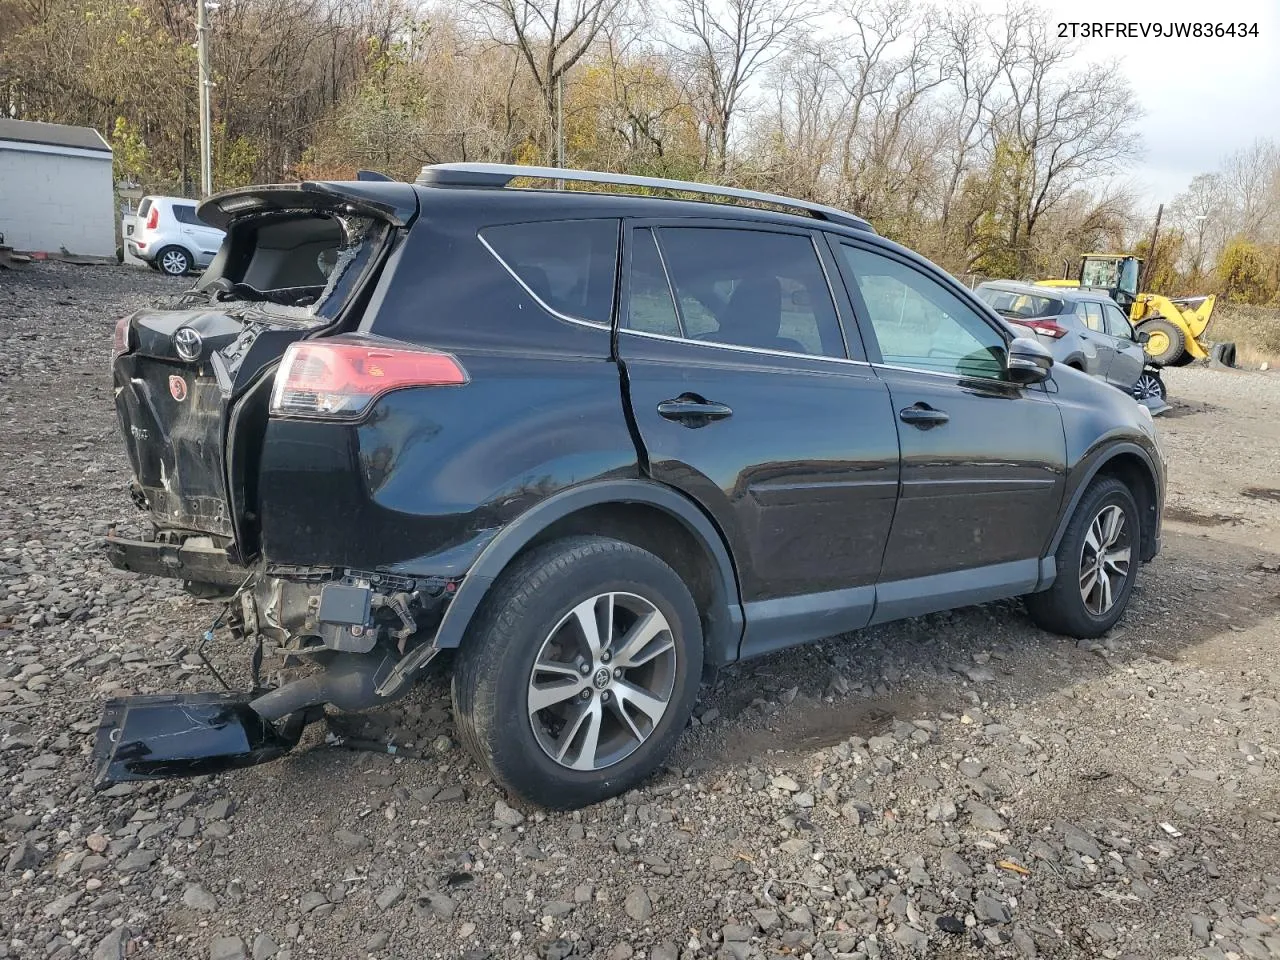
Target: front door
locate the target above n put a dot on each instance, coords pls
(1130, 358)
(983, 459)
(745, 399)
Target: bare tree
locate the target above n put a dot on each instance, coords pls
(551, 36)
(726, 43)
(1059, 131)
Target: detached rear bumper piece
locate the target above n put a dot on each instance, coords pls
(199, 563)
(182, 735)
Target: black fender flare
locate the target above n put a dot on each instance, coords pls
(725, 632)
(1101, 459)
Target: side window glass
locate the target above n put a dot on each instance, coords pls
(751, 288)
(918, 323)
(1093, 317)
(1117, 323)
(650, 308)
(569, 265)
(185, 213)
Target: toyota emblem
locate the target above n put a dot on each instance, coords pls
(178, 388)
(189, 343)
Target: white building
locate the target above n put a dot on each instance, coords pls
(56, 189)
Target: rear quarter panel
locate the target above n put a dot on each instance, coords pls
(431, 474)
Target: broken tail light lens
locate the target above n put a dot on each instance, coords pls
(1047, 327)
(339, 378)
(120, 338)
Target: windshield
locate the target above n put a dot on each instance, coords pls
(1015, 304)
(1100, 273)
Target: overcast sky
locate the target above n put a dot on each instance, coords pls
(1203, 98)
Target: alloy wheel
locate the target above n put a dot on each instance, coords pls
(1147, 387)
(602, 681)
(174, 262)
(1104, 560)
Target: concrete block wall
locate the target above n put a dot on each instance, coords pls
(49, 201)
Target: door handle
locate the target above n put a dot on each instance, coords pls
(693, 411)
(923, 416)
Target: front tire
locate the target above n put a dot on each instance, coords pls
(1167, 344)
(1097, 564)
(174, 261)
(579, 672)
(1150, 386)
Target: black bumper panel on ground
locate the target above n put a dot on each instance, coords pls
(181, 735)
(196, 563)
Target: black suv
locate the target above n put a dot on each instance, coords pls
(594, 445)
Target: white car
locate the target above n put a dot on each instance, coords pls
(169, 237)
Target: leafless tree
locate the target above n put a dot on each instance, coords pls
(725, 44)
(551, 36)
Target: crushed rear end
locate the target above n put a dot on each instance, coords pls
(193, 385)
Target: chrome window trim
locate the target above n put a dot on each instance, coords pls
(948, 376)
(733, 346)
(537, 299)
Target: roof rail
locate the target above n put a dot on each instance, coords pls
(501, 174)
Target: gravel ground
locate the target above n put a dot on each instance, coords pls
(953, 786)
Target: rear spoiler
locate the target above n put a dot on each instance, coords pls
(394, 202)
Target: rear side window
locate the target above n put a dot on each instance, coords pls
(1091, 314)
(751, 288)
(650, 308)
(568, 265)
(186, 213)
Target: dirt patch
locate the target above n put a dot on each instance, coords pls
(1262, 493)
(1185, 408)
(1180, 514)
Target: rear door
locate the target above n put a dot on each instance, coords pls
(983, 459)
(747, 400)
(1129, 357)
(202, 239)
(1095, 334)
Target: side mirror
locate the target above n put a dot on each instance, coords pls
(1029, 361)
(1142, 336)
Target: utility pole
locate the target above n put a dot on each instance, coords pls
(1151, 251)
(206, 90)
(560, 127)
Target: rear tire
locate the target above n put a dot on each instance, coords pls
(612, 709)
(1102, 540)
(174, 262)
(1167, 344)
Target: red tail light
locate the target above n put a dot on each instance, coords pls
(342, 376)
(153, 218)
(1047, 327)
(120, 338)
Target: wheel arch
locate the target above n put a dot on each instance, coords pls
(647, 514)
(1132, 465)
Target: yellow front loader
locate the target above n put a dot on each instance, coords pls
(1176, 326)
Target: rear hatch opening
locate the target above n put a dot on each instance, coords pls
(192, 376)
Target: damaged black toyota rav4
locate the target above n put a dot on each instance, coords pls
(592, 444)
